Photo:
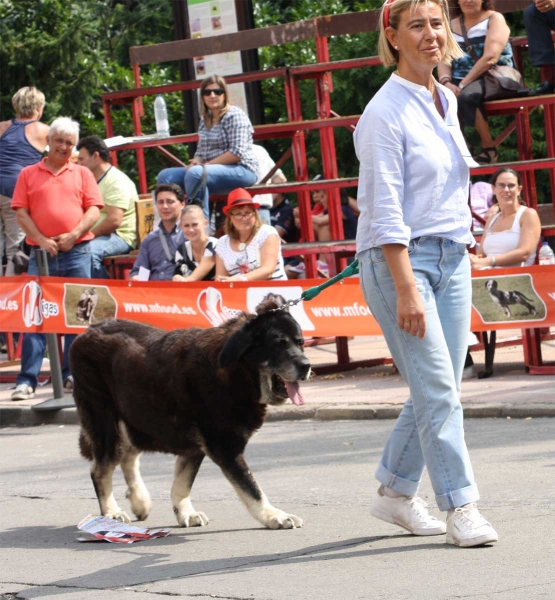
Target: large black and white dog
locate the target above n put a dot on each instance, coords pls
(507, 299)
(191, 392)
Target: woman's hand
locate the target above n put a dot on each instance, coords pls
(479, 261)
(454, 88)
(194, 162)
(411, 314)
(233, 278)
(178, 278)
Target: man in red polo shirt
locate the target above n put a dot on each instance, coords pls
(56, 202)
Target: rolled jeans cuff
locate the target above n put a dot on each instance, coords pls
(396, 483)
(458, 498)
(444, 502)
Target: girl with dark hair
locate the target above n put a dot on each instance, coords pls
(511, 236)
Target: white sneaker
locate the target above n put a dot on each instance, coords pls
(68, 385)
(23, 392)
(466, 527)
(408, 512)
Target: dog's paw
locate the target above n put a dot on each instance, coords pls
(277, 519)
(120, 516)
(191, 519)
(141, 504)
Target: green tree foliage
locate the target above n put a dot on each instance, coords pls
(50, 44)
(76, 51)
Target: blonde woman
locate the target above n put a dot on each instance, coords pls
(22, 143)
(224, 159)
(413, 229)
(250, 250)
(198, 252)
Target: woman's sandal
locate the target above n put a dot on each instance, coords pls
(488, 156)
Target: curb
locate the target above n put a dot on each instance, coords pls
(24, 416)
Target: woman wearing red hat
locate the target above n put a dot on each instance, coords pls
(250, 250)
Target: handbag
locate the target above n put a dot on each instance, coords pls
(501, 81)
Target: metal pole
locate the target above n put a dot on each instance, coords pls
(58, 401)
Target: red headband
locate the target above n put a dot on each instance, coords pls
(386, 10)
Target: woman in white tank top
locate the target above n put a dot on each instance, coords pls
(511, 236)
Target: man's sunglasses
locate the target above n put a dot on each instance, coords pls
(218, 92)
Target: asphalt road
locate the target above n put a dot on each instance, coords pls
(321, 471)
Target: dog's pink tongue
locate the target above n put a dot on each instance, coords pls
(294, 392)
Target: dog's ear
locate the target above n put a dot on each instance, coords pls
(236, 346)
(270, 303)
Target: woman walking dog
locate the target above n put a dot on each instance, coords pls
(415, 272)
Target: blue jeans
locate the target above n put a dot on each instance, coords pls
(538, 28)
(103, 246)
(220, 179)
(74, 263)
(429, 431)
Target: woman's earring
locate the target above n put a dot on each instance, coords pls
(396, 47)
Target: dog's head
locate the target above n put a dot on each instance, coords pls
(491, 285)
(272, 342)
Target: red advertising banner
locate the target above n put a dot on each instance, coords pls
(502, 299)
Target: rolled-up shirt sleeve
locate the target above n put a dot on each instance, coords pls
(380, 150)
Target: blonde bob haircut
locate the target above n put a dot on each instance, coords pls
(205, 112)
(28, 102)
(387, 53)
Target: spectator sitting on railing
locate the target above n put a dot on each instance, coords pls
(250, 250)
(22, 142)
(224, 159)
(539, 19)
(488, 33)
(198, 251)
(115, 232)
(158, 250)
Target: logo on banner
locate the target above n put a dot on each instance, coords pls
(210, 304)
(32, 298)
(35, 309)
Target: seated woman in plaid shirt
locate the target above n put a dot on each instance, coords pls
(224, 159)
